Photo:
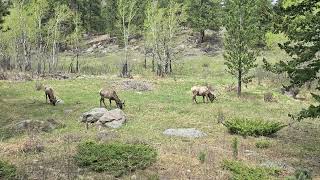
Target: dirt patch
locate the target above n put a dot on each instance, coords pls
(136, 85)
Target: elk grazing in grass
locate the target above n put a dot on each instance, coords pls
(111, 95)
(49, 93)
(203, 91)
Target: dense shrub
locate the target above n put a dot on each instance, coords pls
(115, 158)
(263, 144)
(7, 171)
(250, 127)
(242, 171)
(303, 174)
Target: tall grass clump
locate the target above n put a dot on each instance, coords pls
(253, 127)
(116, 158)
(263, 144)
(7, 171)
(241, 171)
(202, 157)
(235, 147)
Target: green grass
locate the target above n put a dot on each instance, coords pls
(253, 127)
(7, 171)
(168, 105)
(263, 144)
(241, 171)
(115, 158)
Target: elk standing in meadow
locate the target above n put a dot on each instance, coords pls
(49, 93)
(203, 91)
(111, 95)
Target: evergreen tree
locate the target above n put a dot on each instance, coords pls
(300, 21)
(264, 18)
(3, 11)
(204, 14)
(240, 38)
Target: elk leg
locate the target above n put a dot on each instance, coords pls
(203, 99)
(46, 97)
(104, 102)
(207, 97)
(194, 99)
(110, 102)
(101, 101)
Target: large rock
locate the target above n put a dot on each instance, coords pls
(114, 118)
(93, 116)
(184, 132)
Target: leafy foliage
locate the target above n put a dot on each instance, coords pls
(3, 11)
(263, 144)
(202, 157)
(7, 171)
(242, 171)
(240, 22)
(204, 14)
(250, 127)
(235, 147)
(300, 22)
(116, 158)
(161, 27)
(303, 174)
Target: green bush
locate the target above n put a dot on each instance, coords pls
(235, 147)
(7, 171)
(202, 157)
(241, 171)
(303, 174)
(115, 158)
(248, 127)
(263, 144)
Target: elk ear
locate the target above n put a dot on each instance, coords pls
(123, 102)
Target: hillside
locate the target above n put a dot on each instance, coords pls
(161, 103)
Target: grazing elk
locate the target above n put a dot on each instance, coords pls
(203, 91)
(48, 91)
(111, 95)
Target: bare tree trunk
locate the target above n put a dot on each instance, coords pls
(153, 56)
(145, 57)
(53, 55)
(77, 65)
(202, 35)
(170, 65)
(239, 82)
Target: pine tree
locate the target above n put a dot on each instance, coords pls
(204, 14)
(240, 38)
(300, 21)
(3, 11)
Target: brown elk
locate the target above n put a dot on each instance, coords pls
(48, 91)
(111, 95)
(203, 91)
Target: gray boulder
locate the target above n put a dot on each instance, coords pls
(93, 116)
(184, 132)
(114, 118)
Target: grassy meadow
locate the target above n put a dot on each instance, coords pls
(167, 105)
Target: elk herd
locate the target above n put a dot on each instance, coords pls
(207, 93)
(107, 93)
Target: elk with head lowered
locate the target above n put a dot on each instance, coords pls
(203, 91)
(111, 95)
(49, 93)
